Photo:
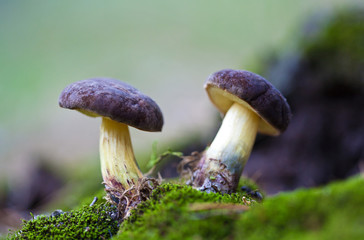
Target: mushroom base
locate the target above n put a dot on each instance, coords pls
(217, 180)
(126, 200)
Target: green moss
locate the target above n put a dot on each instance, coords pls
(335, 211)
(332, 212)
(342, 35)
(181, 212)
(95, 222)
(337, 51)
(168, 214)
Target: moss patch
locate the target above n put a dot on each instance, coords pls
(337, 51)
(335, 211)
(95, 222)
(173, 212)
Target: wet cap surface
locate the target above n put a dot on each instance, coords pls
(113, 99)
(228, 86)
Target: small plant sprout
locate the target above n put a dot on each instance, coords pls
(156, 159)
(119, 105)
(250, 104)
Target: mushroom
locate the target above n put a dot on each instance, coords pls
(119, 105)
(250, 104)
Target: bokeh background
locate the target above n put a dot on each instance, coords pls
(167, 49)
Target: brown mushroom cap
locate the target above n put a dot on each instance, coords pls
(251, 90)
(113, 99)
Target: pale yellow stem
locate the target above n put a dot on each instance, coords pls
(118, 166)
(234, 140)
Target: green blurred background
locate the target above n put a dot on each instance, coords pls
(164, 48)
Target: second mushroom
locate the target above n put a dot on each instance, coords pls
(250, 105)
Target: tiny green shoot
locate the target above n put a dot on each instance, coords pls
(156, 158)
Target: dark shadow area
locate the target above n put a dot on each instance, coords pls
(324, 83)
(38, 188)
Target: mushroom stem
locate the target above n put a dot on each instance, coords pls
(235, 138)
(118, 166)
(227, 155)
